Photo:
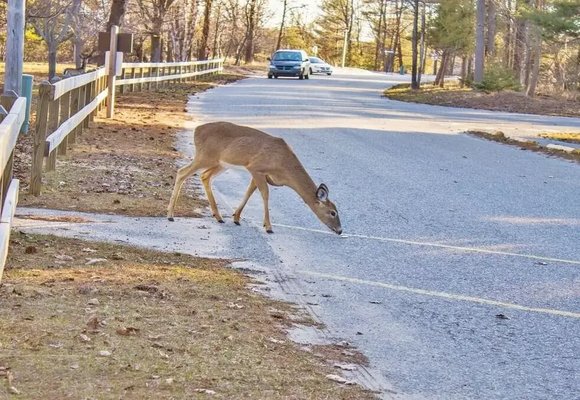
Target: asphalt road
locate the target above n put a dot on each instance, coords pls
(459, 272)
(407, 186)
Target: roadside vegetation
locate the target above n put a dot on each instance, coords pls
(94, 320)
(453, 94)
(500, 137)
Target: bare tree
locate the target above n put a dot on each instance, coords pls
(154, 13)
(202, 52)
(52, 21)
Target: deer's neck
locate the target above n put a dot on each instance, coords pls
(303, 184)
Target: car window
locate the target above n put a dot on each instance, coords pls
(315, 60)
(287, 56)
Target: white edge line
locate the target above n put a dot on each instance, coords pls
(443, 246)
(444, 295)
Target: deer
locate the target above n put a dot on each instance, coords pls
(269, 160)
(68, 72)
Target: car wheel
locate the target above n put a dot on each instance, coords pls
(276, 76)
(307, 76)
(329, 73)
(269, 76)
(301, 76)
(311, 71)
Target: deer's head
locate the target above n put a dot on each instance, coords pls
(325, 209)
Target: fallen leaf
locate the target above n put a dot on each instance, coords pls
(93, 323)
(31, 250)
(336, 378)
(91, 261)
(84, 337)
(345, 367)
(94, 302)
(127, 331)
(206, 391)
(104, 353)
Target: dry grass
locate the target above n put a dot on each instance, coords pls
(455, 96)
(143, 324)
(527, 145)
(570, 137)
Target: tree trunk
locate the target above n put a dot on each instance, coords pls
(280, 32)
(78, 46)
(491, 27)
(117, 13)
(156, 47)
(520, 44)
(479, 41)
(414, 46)
(52, 49)
(202, 51)
(463, 71)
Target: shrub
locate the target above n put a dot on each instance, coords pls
(497, 78)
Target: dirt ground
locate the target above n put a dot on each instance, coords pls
(87, 320)
(123, 165)
(454, 96)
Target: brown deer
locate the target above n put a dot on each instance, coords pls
(270, 161)
(68, 72)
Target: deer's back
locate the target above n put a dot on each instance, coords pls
(238, 145)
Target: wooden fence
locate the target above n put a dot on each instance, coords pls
(139, 76)
(9, 131)
(67, 106)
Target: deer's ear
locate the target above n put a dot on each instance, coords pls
(322, 192)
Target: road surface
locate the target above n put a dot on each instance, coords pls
(459, 272)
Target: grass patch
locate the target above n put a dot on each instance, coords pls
(141, 324)
(527, 145)
(124, 165)
(569, 137)
(452, 95)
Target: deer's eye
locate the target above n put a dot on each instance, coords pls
(333, 214)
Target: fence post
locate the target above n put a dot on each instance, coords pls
(156, 76)
(39, 139)
(53, 123)
(112, 67)
(132, 86)
(65, 113)
(88, 98)
(122, 87)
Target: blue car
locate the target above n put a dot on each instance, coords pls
(289, 63)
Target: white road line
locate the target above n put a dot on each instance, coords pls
(443, 246)
(444, 295)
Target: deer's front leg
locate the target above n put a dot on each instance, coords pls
(206, 178)
(262, 185)
(249, 192)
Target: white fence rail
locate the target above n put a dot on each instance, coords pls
(9, 131)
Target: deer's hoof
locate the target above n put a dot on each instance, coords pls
(237, 223)
(170, 219)
(269, 231)
(221, 221)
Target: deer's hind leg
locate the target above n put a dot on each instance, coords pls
(238, 213)
(262, 185)
(182, 174)
(206, 178)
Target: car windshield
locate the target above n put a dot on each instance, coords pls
(316, 60)
(287, 56)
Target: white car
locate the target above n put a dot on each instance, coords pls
(319, 66)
